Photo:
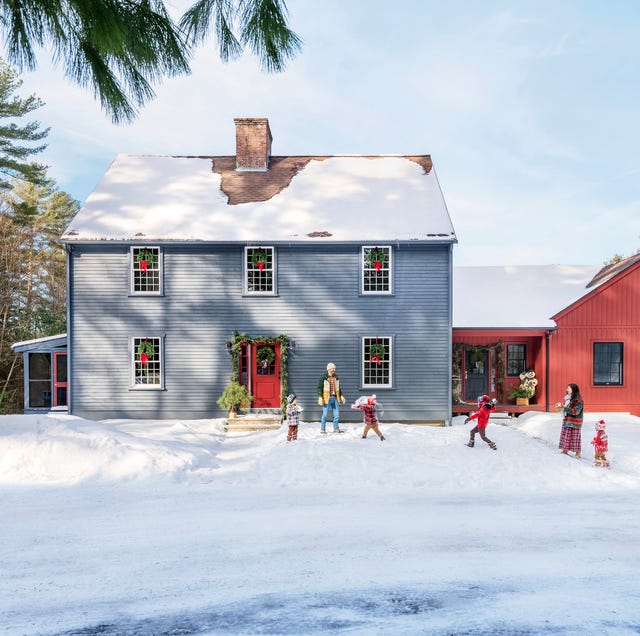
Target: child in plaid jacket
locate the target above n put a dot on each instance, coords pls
(601, 445)
(367, 404)
(293, 417)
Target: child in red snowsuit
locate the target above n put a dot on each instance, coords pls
(367, 405)
(482, 415)
(601, 445)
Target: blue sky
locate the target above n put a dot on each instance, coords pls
(528, 109)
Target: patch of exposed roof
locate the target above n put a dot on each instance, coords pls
(383, 198)
(613, 269)
(259, 185)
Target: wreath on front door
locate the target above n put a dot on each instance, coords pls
(265, 356)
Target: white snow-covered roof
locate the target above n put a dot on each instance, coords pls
(516, 297)
(331, 198)
(58, 340)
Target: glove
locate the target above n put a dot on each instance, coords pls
(494, 401)
(343, 399)
(320, 401)
(466, 421)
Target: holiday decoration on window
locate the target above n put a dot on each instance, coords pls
(376, 258)
(144, 258)
(259, 259)
(376, 353)
(265, 356)
(146, 350)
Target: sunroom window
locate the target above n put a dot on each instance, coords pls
(145, 270)
(376, 361)
(376, 270)
(259, 263)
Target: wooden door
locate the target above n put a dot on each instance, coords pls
(265, 376)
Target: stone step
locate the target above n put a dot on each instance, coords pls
(254, 422)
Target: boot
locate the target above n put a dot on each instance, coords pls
(382, 438)
(470, 443)
(492, 446)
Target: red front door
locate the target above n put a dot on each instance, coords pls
(265, 375)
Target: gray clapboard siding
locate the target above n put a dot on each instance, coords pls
(318, 305)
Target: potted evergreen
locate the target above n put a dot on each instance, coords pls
(521, 395)
(234, 397)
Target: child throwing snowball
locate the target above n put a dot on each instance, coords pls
(486, 405)
(601, 445)
(367, 404)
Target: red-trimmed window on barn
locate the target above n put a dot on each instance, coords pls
(259, 268)
(376, 269)
(147, 362)
(146, 270)
(376, 361)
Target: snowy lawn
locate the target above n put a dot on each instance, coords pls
(130, 527)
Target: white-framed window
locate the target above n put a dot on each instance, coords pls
(377, 269)
(376, 361)
(259, 270)
(146, 270)
(146, 362)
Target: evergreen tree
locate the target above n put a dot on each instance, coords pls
(18, 141)
(120, 47)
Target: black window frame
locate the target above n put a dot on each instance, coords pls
(523, 359)
(604, 356)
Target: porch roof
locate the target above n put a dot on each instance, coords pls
(40, 344)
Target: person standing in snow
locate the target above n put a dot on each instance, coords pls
(293, 417)
(601, 445)
(329, 397)
(573, 411)
(368, 405)
(482, 415)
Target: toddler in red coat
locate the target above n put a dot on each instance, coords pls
(601, 445)
(486, 405)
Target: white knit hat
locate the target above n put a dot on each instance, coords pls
(600, 426)
(331, 366)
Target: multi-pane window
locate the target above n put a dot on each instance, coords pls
(607, 363)
(147, 362)
(376, 362)
(145, 275)
(516, 359)
(259, 264)
(376, 270)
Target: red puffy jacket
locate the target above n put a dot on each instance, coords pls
(482, 415)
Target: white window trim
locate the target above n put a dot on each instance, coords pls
(388, 292)
(132, 365)
(132, 291)
(389, 339)
(245, 273)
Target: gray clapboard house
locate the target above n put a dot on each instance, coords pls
(184, 270)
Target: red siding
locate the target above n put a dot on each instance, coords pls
(611, 313)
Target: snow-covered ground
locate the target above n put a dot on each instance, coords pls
(130, 527)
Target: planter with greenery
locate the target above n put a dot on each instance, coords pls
(234, 397)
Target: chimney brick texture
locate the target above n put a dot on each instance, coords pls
(253, 143)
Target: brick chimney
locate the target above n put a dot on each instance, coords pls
(253, 143)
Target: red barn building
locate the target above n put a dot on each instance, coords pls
(567, 323)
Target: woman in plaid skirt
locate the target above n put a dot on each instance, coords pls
(570, 437)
